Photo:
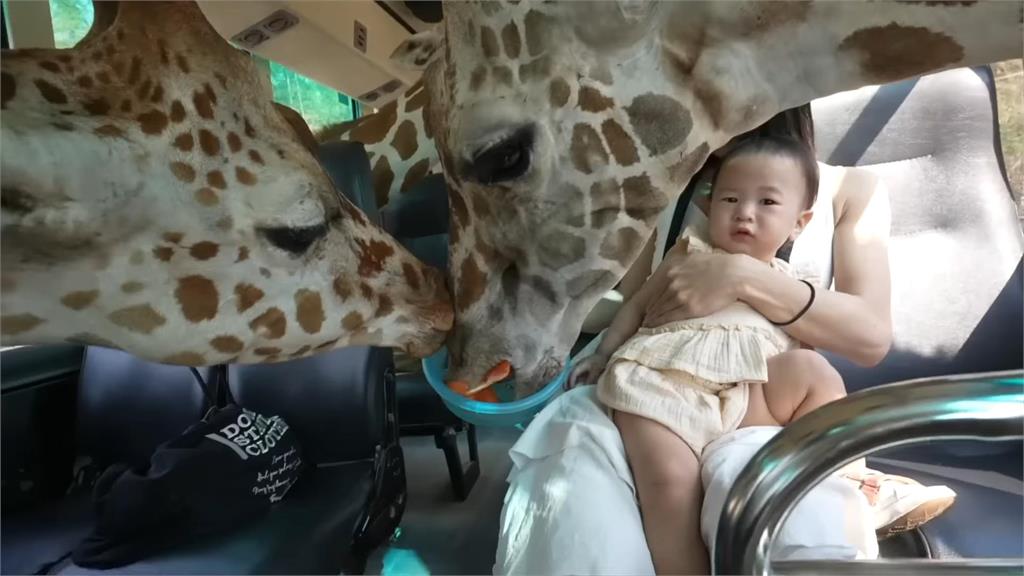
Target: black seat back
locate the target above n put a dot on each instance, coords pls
(956, 244)
(128, 406)
(419, 220)
(335, 401)
(349, 168)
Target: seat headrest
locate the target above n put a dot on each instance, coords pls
(422, 211)
(956, 240)
(419, 220)
(128, 406)
(349, 168)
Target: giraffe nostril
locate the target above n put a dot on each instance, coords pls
(510, 281)
(16, 200)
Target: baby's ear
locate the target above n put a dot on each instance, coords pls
(418, 50)
(801, 222)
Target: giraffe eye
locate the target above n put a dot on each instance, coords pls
(505, 160)
(295, 241)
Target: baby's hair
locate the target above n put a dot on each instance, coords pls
(785, 147)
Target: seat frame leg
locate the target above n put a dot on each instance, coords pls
(462, 478)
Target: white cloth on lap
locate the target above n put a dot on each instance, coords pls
(832, 521)
(571, 507)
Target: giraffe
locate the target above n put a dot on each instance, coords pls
(565, 129)
(398, 144)
(155, 200)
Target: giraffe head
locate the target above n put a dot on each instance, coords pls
(156, 200)
(561, 146)
(565, 128)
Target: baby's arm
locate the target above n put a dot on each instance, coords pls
(629, 317)
(623, 326)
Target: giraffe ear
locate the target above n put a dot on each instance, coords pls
(418, 50)
(299, 126)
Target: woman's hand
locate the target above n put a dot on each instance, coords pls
(696, 285)
(586, 371)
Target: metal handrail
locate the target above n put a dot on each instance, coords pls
(900, 567)
(986, 406)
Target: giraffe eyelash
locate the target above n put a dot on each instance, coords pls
(295, 241)
(504, 160)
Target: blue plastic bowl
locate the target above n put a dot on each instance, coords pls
(505, 413)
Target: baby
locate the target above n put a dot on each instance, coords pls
(677, 387)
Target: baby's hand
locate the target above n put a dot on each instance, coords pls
(586, 371)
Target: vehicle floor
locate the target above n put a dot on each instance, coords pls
(439, 534)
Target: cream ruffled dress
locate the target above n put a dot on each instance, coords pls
(691, 376)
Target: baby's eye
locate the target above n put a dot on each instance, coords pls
(730, 199)
(769, 202)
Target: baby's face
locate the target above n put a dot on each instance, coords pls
(759, 202)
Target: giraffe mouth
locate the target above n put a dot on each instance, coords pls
(548, 369)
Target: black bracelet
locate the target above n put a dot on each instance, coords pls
(802, 312)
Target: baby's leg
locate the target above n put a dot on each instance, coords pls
(667, 477)
(799, 381)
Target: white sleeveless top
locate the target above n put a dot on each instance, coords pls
(811, 257)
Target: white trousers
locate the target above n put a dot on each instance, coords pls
(571, 506)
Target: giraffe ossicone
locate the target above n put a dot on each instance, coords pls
(155, 199)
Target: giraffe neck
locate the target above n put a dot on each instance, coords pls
(746, 63)
(398, 143)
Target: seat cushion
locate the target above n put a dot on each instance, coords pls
(310, 532)
(38, 536)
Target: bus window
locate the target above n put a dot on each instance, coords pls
(320, 105)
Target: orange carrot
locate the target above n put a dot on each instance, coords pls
(460, 387)
(483, 392)
(493, 376)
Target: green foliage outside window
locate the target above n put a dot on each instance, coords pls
(71, 21)
(318, 104)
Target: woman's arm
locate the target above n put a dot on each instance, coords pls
(855, 320)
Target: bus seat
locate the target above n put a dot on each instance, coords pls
(956, 258)
(419, 220)
(341, 406)
(349, 169)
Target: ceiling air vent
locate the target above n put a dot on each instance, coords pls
(265, 29)
(359, 35)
